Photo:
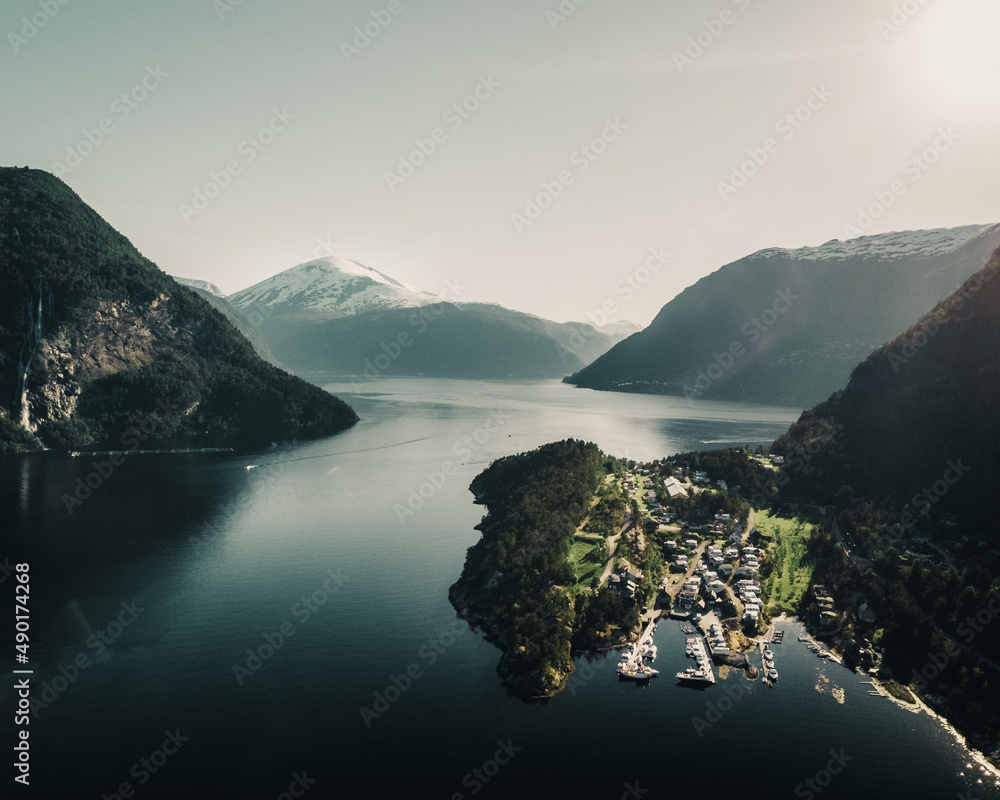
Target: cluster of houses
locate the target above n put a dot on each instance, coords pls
(625, 581)
(681, 560)
(749, 593)
(685, 602)
(827, 610)
(716, 641)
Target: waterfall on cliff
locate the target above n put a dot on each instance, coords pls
(27, 354)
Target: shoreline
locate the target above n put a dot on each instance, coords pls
(919, 706)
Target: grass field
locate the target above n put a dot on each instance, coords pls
(789, 581)
(583, 568)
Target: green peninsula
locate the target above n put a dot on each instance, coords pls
(531, 583)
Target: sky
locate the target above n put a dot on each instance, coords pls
(578, 160)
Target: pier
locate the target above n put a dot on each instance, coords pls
(95, 453)
(632, 667)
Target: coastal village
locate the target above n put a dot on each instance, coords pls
(710, 582)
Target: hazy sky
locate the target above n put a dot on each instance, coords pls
(677, 95)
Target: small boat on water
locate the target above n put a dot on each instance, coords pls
(772, 674)
(694, 677)
(633, 672)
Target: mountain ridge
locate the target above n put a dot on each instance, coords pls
(335, 316)
(922, 404)
(723, 337)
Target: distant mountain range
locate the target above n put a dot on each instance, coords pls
(97, 344)
(788, 326)
(336, 316)
(918, 423)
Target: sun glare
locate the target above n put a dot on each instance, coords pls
(962, 56)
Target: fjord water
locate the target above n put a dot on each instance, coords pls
(332, 558)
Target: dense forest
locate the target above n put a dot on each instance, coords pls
(907, 456)
(102, 341)
(917, 427)
(517, 582)
(934, 615)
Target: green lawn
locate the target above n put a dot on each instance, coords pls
(583, 568)
(789, 581)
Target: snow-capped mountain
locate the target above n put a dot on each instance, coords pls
(339, 317)
(204, 286)
(787, 326)
(899, 244)
(333, 287)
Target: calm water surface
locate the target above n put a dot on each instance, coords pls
(331, 561)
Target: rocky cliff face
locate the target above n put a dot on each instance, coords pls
(98, 342)
(93, 337)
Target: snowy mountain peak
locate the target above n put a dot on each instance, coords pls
(898, 244)
(333, 284)
(205, 286)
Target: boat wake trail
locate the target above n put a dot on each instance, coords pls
(333, 455)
